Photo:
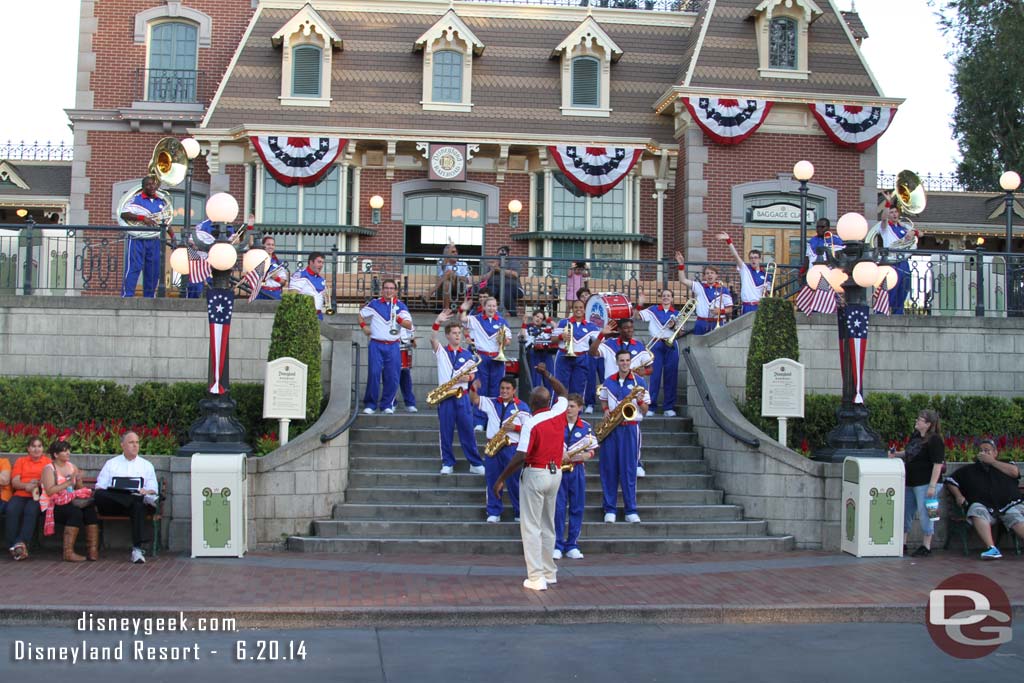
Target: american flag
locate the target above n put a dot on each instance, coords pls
(219, 304)
(822, 300)
(881, 303)
(853, 345)
(198, 266)
(254, 278)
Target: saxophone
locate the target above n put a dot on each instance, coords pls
(625, 411)
(587, 443)
(449, 388)
(501, 437)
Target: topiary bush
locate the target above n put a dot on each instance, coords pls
(296, 334)
(773, 336)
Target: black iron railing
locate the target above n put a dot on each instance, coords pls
(178, 86)
(932, 182)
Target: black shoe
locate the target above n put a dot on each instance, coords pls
(922, 552)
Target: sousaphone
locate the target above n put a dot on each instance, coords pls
(168, 165)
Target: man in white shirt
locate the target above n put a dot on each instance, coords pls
(135, 505)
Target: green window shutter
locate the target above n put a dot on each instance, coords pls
(306, 63)
(585, 82)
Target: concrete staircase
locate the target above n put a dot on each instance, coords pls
(396, 501)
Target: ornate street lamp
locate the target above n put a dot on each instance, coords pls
(218, 430)
(803, 171)
(376, 204)
(514, 207)
(850, 273)
(1009, 181)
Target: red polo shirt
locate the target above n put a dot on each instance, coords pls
(543, 436)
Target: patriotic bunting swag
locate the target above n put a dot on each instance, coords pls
(728, 121)
(853, 345)
(853, 126)
(595, 170)
(295, 160)
(219, 304)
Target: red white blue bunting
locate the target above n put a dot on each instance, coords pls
(727, 120)
(852, 126)
(595, 170)
(298, 160)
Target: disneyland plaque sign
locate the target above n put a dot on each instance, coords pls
(447, 162)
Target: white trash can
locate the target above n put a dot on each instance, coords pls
(872, 507)
(219, 506)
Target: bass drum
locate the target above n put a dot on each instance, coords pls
(608, 306)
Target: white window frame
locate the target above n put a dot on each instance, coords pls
(587, 40)
(307, 27)
(343, 170)
(449, 33)
(801, 11)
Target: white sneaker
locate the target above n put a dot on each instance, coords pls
(588, 410)
(640, 473)
(413, 409)
(670, 413)
(389, 411)
(493, 519)
(538, 585)
(138, 557)
(574, 554)
(478, 428)
(552, 581)
(609, 517)
(633, 518)
(447, 469)
(476, 469)
(368, 411)
(516, 520)
(557, 554)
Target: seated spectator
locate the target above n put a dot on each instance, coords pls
(453, 277)
(61, 488)
(503, 283)
(991, 491)
(5, 483)
(135, 504)
(23, 507)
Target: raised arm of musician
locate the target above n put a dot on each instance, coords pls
(439, 322)
(724, 236)
(607, 331)
(464, 308)
(681, 274)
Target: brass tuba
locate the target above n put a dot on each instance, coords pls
(625, 411)
(910, 199)
(168, 165)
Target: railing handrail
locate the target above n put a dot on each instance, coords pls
(354, 408)
(709, 404)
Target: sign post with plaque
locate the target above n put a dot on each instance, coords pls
(782, 392)
(284, 392)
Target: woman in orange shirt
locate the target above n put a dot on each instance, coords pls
(23, 508)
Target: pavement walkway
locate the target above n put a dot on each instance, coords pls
(291, 590)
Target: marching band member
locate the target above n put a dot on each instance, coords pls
(661, 323)
(540, 453)
(454, 412)
(277, 274)
(384, 317)
(485, 329)
(498, 411)
(310, 282)
(714, 300)
(752, 276)
(540, 347)
(596, 374)
(892, 230)
(572, 492)
(571, 371)
(621, 449)
(407, 342)
(144, 245)
(822, 300)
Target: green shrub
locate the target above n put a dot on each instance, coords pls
(773, 336)
(296, 334)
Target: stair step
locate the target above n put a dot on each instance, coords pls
(474, 496)
(513, 546)
(408, 463)
(429, 437)
(463, 479)
(349, 528)
(475, 512)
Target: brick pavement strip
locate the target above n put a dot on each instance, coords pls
(287, 590)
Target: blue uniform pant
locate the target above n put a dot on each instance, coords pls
(620, 453)
(572, 372)
(489, 372)
(385, 365)
(269, 294)
(194, 290)
(405, 383)
(748, 308)
(545, 357)
(493, 467)
(457, 413)
(703, 327)
(898, 294)
(664, 374)
(142, 256)
(594, 379)
(572, 492)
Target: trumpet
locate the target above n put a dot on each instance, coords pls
(328, 303)
(502, 336)
(625, 411)
(717, 303)
(449, 388)
(572, 455)
(567, 337)
(393, 324)
(769, 279)
(501, 437)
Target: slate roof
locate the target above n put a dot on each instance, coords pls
(857, 27)
(969, 209)
(43, 179)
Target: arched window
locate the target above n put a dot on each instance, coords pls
(171, 75)
(447, 76)
(586, 83)
(782, 52)
(306, 64)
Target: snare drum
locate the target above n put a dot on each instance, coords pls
(512, 367)
(608, 306)
(406, 357)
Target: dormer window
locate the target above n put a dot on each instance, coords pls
(448, 50)
(782, 27)
(307, 45)
(587, 55)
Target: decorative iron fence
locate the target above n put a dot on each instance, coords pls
(933, 182)
(178, 86)
(36, 151)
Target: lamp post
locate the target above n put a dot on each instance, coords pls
(850, 273)
(803, 171)
(514, 207)
(1009, 181)
(218, 430)
(376, 204)
(191, 146)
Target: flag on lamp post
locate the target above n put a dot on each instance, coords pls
(853, 345)
(219, 304)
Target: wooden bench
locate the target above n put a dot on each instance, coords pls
(957, 523)
(156, 518)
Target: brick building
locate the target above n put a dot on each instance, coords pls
(504, 85)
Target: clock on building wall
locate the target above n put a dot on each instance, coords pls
(447, 162)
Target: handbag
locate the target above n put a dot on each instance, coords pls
(83, 502)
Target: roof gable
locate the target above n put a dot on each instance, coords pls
(307, 20)
(8, 174)
(451, 25)
(589, 31)
(810, 9)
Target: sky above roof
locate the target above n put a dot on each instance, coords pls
(905, 51)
